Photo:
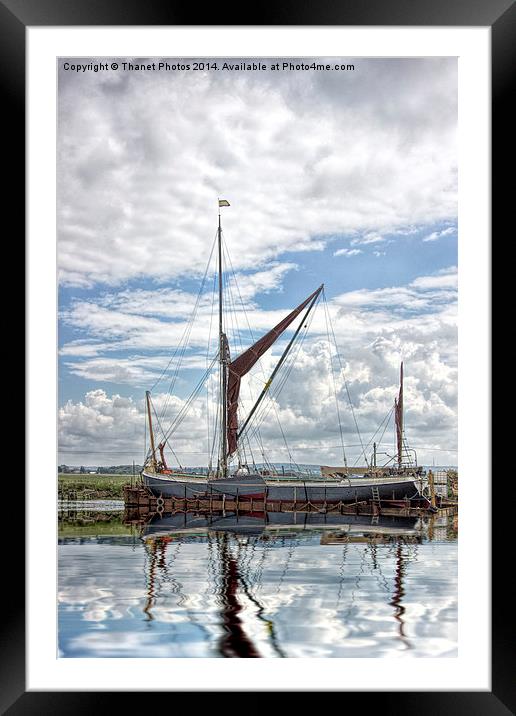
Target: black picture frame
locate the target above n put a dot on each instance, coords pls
(15, 17)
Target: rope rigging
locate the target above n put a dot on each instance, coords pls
(347, 388)
(259, 362)
(183, 343)
(385, 420)
(327, 318)
(272, 395)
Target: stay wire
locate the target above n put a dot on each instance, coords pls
(334, 381)
(345, 381)
(259, 362)
(183, 343)
(273, 395)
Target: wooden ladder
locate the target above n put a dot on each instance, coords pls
(376, 495)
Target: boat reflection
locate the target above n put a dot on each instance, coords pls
(257, 585)
(234, 641)
(334, 527)
(399, 593)
(232, 538)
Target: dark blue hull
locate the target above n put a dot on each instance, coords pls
(354, 490)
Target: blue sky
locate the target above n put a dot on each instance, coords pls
(350, 181)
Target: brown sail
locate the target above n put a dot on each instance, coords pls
(243, 364)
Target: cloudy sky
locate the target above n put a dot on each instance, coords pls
(347, 178)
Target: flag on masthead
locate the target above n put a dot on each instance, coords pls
(223, 202)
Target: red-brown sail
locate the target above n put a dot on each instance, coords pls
(243, 364)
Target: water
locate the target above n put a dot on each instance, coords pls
(67, 506)
(323, 587)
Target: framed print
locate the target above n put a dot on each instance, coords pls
(258, 300)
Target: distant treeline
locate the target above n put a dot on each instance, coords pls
(101, 470)
(128, 469)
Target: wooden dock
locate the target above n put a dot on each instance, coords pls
(141, 500)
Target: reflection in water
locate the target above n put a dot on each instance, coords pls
(399, 593)
(151, 581)
(234, 640)
(277, 585)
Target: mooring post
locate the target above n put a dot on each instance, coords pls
(431, 527)
(431, 484)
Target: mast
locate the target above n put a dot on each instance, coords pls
(399, 419)
(151, 432)
(223, 463)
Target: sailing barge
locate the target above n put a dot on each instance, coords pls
(400, 482)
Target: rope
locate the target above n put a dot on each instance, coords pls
(346, 385)
(333, 380)
(259, 361)
(272, 396)
(386, 421)
(182, 345)
(181, 415)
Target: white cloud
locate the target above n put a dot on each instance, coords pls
(347, 252)
(146, 320)
(245, 287)
(302, 157)
(110, 429)
(372, 237)
(435, 235)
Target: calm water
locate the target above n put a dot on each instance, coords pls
(181, 587)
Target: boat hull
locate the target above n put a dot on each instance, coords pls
(342, 492)
(357, 490)
(163, 486)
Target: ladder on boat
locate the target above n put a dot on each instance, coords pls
(375, 492)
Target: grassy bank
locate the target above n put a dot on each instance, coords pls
(90, 525)
(92, 487)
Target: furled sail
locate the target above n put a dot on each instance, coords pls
(243, 364)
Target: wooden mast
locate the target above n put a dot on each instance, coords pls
(151, 431)
(223, 465)
(399, 421)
